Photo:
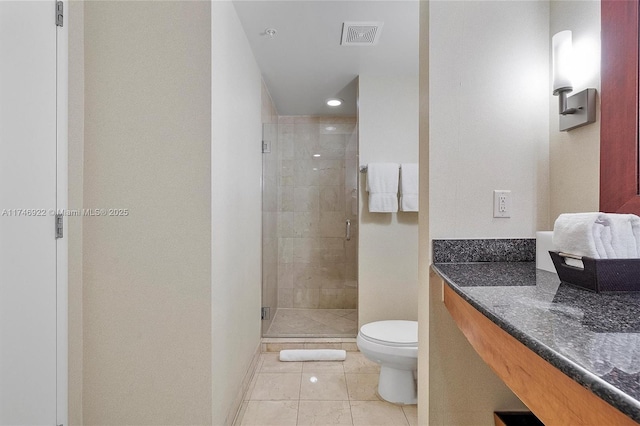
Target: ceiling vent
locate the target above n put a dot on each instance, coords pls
(361, 33)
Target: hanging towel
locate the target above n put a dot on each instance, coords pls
(382, 185)
(409, 187)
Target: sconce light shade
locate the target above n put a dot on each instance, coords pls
(578, 109)
(562, 62)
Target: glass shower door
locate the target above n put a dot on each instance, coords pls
(269, 223)
(316, 199)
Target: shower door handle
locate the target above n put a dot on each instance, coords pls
(348, 230)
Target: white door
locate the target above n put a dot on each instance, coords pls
(28, 318)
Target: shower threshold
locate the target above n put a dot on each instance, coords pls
(292, 322)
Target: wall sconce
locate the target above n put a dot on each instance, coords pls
(578, 109)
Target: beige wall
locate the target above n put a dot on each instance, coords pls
(236, 164)
(488, 59)
(75, 18)
(147, 276)
(488, 124)
(424, 243)
(388, 243)
(574, 169)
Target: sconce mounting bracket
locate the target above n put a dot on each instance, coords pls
(584, 105)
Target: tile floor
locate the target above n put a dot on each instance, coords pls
(319, 393)
(290, 322)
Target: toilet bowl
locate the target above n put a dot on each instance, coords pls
(394, 345)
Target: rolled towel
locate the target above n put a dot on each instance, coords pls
(599, 240)
(606, 240)
(635, 228)
(579, 234)
(409, 187)
(313, 355)
(623, 234)
(382, 185)
(598, 235)
(617, 236)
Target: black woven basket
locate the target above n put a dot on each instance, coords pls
(600, 275)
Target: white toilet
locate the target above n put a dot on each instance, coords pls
(394, 345)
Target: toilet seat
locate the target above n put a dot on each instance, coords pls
(394, 333)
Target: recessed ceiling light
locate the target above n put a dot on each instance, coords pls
(316, 155)
(334, 102)
(330, 128)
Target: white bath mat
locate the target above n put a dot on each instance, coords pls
(313, 355)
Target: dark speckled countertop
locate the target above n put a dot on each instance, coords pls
(592, 338)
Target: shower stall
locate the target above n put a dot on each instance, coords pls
(310, 227)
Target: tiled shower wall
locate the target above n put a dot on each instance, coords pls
(317, 267)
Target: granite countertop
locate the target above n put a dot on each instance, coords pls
(592, 338)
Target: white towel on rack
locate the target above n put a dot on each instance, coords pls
(382, 185)
(409, 187)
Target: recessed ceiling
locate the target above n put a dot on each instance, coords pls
(304, 64)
